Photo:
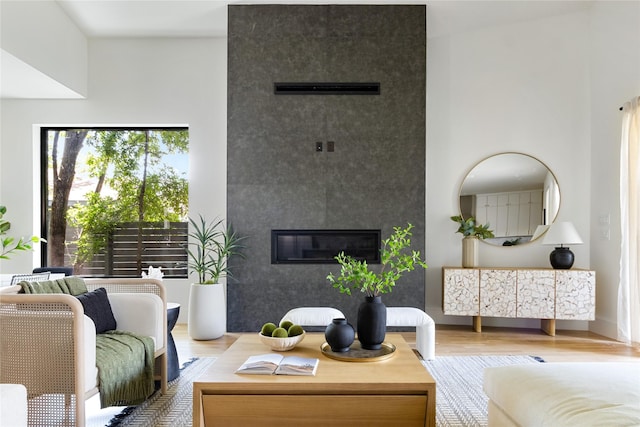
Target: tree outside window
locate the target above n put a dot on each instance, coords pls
(117, 200)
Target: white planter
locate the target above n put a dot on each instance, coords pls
(207, 312)
(470, 251)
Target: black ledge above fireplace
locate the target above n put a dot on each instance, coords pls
(321, 246)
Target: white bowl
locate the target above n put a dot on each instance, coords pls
(281, 344)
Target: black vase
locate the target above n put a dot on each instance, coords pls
(339, 335)
(372, 323)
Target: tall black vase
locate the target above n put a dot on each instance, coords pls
(372, 323)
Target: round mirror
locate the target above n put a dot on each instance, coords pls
(516, 194)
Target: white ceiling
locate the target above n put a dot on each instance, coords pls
(208, 18)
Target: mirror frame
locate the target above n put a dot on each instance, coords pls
(538, 232)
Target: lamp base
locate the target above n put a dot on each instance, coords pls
(561, 258)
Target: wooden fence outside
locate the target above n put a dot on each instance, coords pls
(133, 247)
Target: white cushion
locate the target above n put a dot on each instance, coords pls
(312, 316)
(566, 394)
(13, 405)
(90, 369)
(139, 313)
(407, 316)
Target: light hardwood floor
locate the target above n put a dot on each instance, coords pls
(566, 346)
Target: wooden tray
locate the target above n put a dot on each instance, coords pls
(358, 354)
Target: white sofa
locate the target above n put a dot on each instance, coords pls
(564, 394)
(48, 344)
(13, 405)
(424, 324)
(312, 316)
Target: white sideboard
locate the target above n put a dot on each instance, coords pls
(539, 293)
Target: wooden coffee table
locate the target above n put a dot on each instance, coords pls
(397, 391)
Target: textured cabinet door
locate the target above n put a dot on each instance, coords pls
(461, 291)
(530, 293)
(575, 294)
(536, 294)
(498, 293)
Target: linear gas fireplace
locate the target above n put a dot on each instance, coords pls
(321, 246)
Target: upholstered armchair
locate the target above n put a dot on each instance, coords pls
(48, 344)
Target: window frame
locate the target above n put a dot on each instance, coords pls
(44, 168)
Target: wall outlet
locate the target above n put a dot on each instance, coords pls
(604, 219)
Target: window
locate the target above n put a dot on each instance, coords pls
(115, 200)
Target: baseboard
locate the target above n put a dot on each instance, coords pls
(604, 327)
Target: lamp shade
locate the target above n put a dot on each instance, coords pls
(562, 233)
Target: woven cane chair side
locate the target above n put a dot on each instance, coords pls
(42, 336)
(128, 285)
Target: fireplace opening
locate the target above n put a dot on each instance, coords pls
(321, 246)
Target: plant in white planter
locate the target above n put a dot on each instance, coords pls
(473, 233)
(211, 247)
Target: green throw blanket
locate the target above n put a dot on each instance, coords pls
(125, 368)
(67, 285)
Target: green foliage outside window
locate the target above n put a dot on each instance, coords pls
(132, 176)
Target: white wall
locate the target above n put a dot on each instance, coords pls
(521, 87)
(131, 82)
(615, 79)
(550, 88)
(41, 35)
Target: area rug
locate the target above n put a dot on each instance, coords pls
(173, 409)
(460, 401)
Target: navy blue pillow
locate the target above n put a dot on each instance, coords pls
(97, 307)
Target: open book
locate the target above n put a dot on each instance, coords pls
(278, 364)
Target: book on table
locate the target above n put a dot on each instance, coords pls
(277, 364)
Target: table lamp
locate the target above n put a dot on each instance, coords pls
(562, 233)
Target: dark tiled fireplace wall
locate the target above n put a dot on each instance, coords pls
(278, 175)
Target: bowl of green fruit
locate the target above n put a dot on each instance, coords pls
(282, 337)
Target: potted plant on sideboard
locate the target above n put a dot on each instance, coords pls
(395, 258)
(472, 232)
(212, 245)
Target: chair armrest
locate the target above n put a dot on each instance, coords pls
(51, 326)
(140, 313)
(129, 285)
(10, 289)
